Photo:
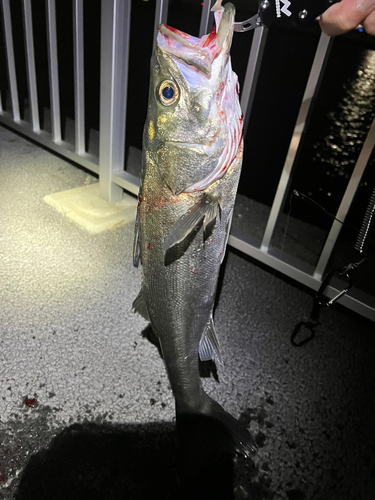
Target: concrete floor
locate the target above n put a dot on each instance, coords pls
(86, 410)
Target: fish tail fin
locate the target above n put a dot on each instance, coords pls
(211, 426)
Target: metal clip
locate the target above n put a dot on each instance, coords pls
(249, 24)
(343, 271)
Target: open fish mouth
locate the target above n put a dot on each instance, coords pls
(200, 52)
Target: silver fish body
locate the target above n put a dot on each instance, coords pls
(192, 156)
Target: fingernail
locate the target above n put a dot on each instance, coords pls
(365, 6)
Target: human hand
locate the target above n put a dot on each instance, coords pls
(347, 15)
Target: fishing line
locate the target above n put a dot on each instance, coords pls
(308, 199)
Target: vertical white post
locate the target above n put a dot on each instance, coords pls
(79, 89)
(114, 56)
(252, 73)
(53, 71)
(11, 61)
(30, 64)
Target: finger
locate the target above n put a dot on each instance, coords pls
(369, 23)
(345, 16)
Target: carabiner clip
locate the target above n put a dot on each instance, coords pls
(342, 271)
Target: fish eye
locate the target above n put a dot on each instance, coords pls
(168, 93)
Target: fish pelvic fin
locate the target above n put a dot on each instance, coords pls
(209, 345)
(139, 306)
(203, 212)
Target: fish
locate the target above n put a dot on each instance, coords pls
(191, 163)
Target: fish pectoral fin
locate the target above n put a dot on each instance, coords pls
(139, 306)
(204, 211)
(209, 344)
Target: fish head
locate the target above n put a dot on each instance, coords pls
(193, 96)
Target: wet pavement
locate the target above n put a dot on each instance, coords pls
(86, 410)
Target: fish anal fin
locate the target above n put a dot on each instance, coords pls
(209, 345)
(139, 306)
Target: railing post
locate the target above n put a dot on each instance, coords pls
(114, 52)
(53, 71)
(312, 88)
(252, 73)
(161, 14)
(30, 60)
(206, 18)
(79, 89)
(11, 62)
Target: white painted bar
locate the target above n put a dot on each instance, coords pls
(161, 15)
(11, 61)
(30, 65)
(79, 89)
(114, 54)
(356, 300)
(252, 73)
(53, 71)
(206, 18)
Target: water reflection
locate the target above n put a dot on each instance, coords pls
(336, 153)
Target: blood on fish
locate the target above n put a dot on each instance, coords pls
(220, 89)
(211, 37)
(149, 246)
(30, 402)
(191, 271)
(3, 476)
(178, 32)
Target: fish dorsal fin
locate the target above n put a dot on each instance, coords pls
(204, 210)
(209, 345)
(139, 306)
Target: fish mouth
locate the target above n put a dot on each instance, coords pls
(200, 52)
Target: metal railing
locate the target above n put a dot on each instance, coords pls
(113, 178)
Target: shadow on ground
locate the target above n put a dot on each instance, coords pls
(97, 461)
